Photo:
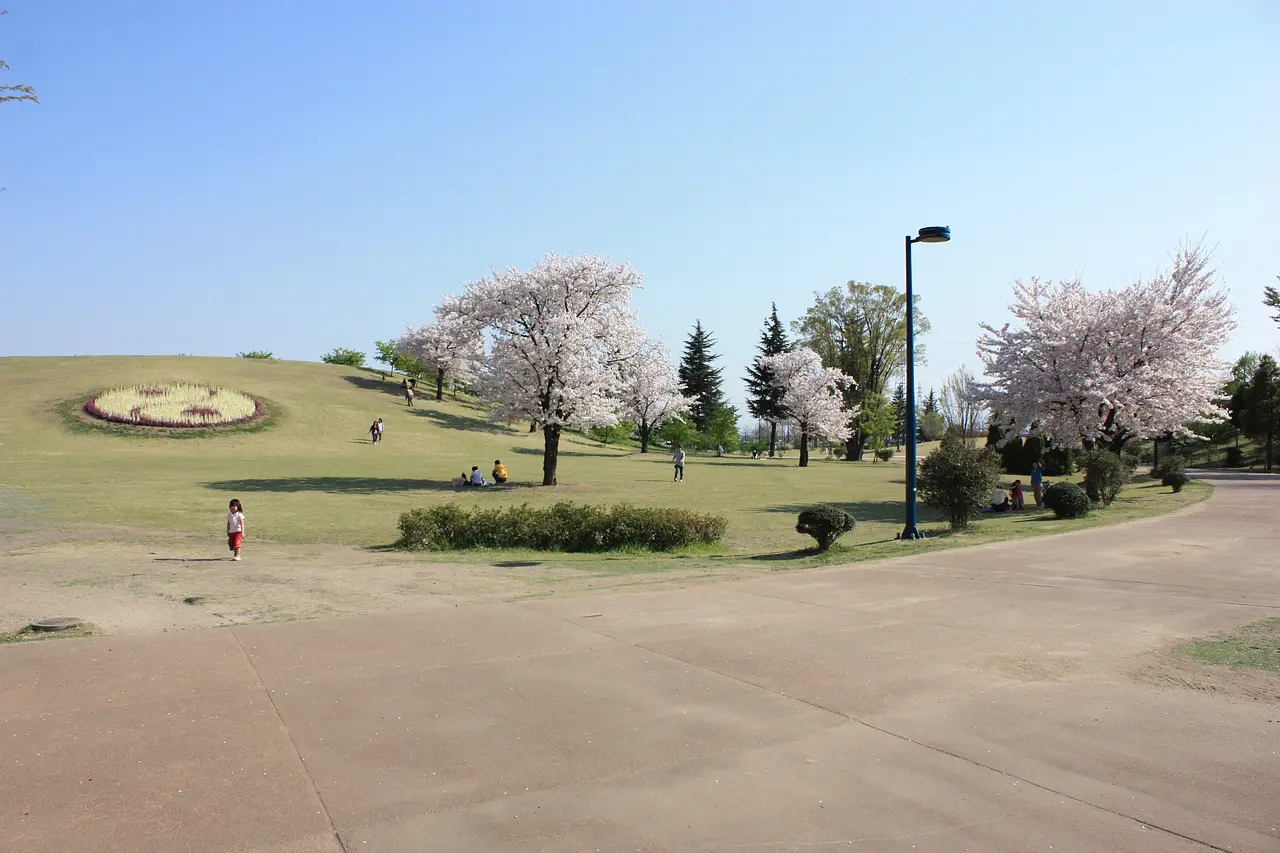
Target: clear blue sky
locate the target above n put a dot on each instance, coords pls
(211, 177)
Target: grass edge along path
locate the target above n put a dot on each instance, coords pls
(986, 530)
(1252, 646)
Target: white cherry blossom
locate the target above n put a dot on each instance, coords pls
(1082, 366)
(558, 336)
(812, 396)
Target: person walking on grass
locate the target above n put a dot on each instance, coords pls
(373, 432)
(678, 459)
(235, 528)
(408, 394)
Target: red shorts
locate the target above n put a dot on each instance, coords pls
(234, 540)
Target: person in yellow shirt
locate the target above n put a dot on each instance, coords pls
(499, 472)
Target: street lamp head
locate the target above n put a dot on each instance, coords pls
(934, 234)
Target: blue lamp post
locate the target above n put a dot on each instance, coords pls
(932, 234)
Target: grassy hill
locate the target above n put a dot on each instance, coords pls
(313, 477)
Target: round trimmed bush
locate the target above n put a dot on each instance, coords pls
(1174, 480)
(1067, 500)
(825, 523)
(885, 453)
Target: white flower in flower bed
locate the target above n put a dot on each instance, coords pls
(173, 404)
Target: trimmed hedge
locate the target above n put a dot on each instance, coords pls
(563, 526)
(825, 523)
(1067, 500)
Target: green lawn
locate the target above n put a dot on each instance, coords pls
(1253, 646)
(312, 476)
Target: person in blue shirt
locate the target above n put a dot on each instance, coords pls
(1037, 482)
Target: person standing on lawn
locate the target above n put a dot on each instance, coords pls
(678, 459)
(235, 528)
(1037, 482)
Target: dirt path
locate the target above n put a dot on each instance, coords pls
(129, 581)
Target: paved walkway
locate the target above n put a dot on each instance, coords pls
(1007, 698)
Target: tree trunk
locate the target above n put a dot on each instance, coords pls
(804, 448)
(773, 438)
(1117, 444)
(550, 453)
(853, 446)
(439, 383)
(533, 426)
(645, 431)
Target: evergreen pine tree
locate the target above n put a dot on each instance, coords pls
(698, 379)
(931, 403)
(764, 398)
(899, 414)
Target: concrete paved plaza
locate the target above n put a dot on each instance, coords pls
(1008, 698)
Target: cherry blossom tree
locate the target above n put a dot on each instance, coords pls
(558, 336)
(650, 391)
(813, 396)
(1081, 367)
(454, 350)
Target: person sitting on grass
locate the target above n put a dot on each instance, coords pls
(1015, 496)
(1000, 500)
(477, 479)
(461, 480)
(499, 472)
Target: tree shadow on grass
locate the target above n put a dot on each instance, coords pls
(870, 510)
(784, 555)
(373, 383)
(332, 485)
(537, 451)
(466, 423)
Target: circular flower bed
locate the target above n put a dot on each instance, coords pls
(173, 404)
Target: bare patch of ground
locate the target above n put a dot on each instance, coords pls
(130, 581)
(1171, 669)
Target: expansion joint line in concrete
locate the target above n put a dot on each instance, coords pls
(938, 749)
(306, 771)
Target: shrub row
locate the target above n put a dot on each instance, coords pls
(563, 526)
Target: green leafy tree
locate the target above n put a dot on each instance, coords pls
(862, 330)
(878, 418)
(1262, 407)
(678, 431)
(699, 378)
(343, 356)
(958, 479)
(929, 426)
(722, 428)
(899, 415)
(764, 396)
(257, 353)
(616, 434)
(400, 361)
